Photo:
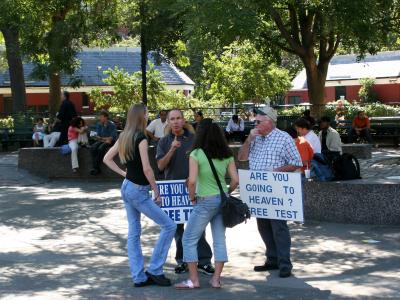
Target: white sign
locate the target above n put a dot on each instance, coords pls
(272, 195)
(175, 200)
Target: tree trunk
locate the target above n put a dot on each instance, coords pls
(143, 64)
(55, 93)
(16, 69)
(143, 52)
(316, 77)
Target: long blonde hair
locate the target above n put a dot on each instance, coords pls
(135, 123)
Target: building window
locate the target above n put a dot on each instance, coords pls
(294, 100)
(340, 91)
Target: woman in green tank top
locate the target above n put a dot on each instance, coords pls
(205, 196)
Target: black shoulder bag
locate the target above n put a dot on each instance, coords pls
(234, 211)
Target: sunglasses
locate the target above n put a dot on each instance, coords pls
(258, 121)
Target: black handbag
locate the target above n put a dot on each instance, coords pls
(233, 210)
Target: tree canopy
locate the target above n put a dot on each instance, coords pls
(242, 74)
(66, 26)
(127, 90)
(311, 30)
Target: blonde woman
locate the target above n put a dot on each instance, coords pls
(139, 179)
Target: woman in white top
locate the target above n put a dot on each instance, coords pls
(303, 128)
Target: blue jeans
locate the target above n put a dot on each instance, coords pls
(207, 210)
(137, 200)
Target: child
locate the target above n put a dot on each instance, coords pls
(38, 131)
(83, 137)
(74, 131)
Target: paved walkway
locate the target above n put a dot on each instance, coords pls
(385, 162)
(66, 240)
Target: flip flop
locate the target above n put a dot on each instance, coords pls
(186, 285)
(215, 286)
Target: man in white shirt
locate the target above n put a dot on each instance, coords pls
(331, 143)
(155, 130)
(235, 128)
(303, 128)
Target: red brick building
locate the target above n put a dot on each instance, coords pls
(344, 74)
(93, 63)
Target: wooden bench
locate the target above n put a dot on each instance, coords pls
(21, 136)
(382, 129)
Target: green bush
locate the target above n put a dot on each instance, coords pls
(372, 110)
(366, 92)
(7, 122)
(293, 111)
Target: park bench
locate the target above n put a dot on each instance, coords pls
(21, 136)
(382, 129)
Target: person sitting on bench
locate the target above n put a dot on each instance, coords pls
(331, 143)
(235, 128)
(106, 135)
(360, 128)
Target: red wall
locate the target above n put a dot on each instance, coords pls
(387, 93)
(37, 99)
(352, 92)
(42, 99)
(330, 93)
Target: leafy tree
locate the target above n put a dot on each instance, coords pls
(311, 30)
(127, 90)
(241, 74)
(366, 92)
(67, 26)
(15, 16)
(3, 58)
(159, 26)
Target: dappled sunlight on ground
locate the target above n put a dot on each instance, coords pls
(67, 240)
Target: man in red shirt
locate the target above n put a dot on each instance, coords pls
(360, 128)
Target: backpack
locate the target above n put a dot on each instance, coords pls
(346, 167)
(321, 170)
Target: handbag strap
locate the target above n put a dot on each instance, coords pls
(215, 173)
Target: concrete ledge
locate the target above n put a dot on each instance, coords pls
(50, 163)
(360, 151)
(355, 201)
(365, 201)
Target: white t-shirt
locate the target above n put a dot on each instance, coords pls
(232, 126)
(314, 141)
(157, 127)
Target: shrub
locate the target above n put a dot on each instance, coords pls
(366, 92)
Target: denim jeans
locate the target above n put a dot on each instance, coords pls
(137, 200)
(203, 248)
(207, 210)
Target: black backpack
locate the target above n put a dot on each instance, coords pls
(346, 167)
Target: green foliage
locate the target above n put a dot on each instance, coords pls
(381, 110)
(366, 92)
(64, 27)
(7, 122)
(241, 74)
(127, 90)
(312, 30)
(372, 110)
(293, 111)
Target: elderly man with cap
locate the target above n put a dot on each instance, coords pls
(270, 149)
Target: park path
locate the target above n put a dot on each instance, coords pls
(66, 240)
